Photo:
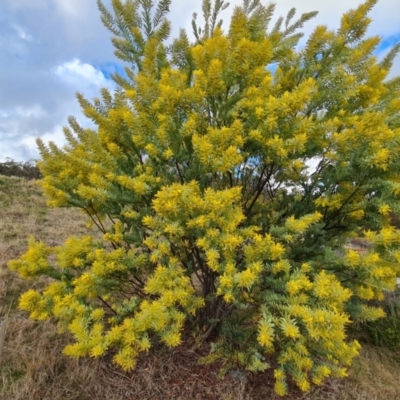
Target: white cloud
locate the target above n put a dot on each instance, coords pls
(29, 145)
(22, 33)
(22, 124)
(35, 111)
(76, 72)
(55, 135)
(12, 141)
(71, 7)
(15, 40)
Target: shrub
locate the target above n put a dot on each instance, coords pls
(232, 170)
(384, 332)
(27, 169)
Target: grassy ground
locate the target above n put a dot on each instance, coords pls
(33, 367)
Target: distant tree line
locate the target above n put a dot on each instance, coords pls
(27, 169)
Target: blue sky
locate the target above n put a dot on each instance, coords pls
(50, 49)
(389, 41)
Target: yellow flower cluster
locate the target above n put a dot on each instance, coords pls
(300, 225)
(34, 262)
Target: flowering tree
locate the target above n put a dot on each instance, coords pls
(226, 173)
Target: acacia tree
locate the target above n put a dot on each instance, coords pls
(226, 174)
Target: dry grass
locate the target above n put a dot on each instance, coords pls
(34, 368)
